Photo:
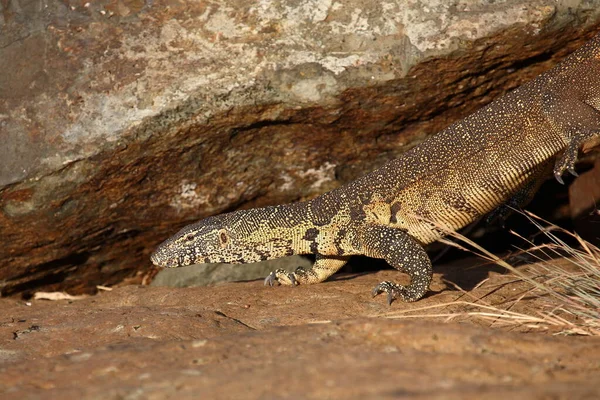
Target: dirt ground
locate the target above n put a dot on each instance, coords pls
(327, 341)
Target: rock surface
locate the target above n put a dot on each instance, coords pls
(207, 274)
(332, 340)
(120, 121)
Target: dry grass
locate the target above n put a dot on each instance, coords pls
(576, 285)
(570, 288)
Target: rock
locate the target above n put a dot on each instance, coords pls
(206, 274)
(122, 121)
(244, 340)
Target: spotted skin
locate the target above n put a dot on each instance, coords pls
(403, 252)
(495, 157)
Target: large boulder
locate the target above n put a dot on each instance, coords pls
(120, 121)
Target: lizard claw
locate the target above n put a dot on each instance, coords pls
(271, 279)
(281, 277)
(572, 171)
(558, 175)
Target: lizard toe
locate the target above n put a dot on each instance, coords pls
(300, 271)
(393, 290)
(281, 277)
(558, 177)
(292, 278)
(271, 279)
(566, 163)
(377, 290)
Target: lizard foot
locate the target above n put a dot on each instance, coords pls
(499, 214)
(282, 277)
(566, 163)
(393, 290)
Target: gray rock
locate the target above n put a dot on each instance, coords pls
(207, 274)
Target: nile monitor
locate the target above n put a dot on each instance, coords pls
(494, 157)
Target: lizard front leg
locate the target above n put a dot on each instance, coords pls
(402, 252)
(323, 268)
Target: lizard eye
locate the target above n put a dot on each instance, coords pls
(189, 237)
(223, 238)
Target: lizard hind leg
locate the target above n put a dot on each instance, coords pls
(402, 252)
(323, 268)
(567, 161)
(578, 121)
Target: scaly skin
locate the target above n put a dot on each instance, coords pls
(494, 157)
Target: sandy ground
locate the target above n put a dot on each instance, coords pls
(332, 340)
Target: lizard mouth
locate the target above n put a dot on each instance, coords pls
(160, 259)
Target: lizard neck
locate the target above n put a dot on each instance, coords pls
(276, 231)
(321, 225)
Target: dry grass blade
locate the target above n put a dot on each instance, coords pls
(491, 313)
(574, 292)
(485, 254)
(579, 288)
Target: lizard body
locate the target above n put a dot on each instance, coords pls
(496, 156)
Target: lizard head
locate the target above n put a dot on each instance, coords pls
(236, 237)
(206, 241)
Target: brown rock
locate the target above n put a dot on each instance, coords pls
(585, 192)
(122, 121)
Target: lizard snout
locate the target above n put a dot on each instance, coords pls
(160, 258)
(156, 258)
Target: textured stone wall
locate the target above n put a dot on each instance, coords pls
(122, 120)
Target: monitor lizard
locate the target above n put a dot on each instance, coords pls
(496, 156)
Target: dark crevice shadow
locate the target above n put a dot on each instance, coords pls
(61, 268)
